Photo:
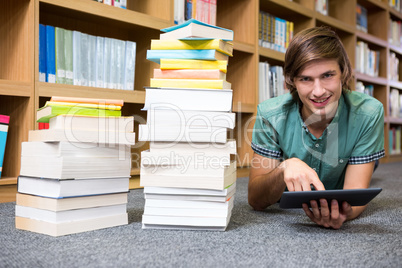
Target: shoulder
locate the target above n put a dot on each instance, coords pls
(277, 106)
(362, 104)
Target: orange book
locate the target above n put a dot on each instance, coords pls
(189, 74)
(87, 100)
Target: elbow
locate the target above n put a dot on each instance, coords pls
(257, 204)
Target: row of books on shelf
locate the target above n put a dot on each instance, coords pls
(395, 33)
(393, 73)
(361, 18)
(273, 32)
(76, 58)
(366, 89)
(396, 4)
(271, 81)
(367, 60)
(321, 6)
(395, 140)
(202, 10)
(395, 103)
(115, 3)
(4, 122)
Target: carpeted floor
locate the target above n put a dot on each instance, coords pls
(272, 238)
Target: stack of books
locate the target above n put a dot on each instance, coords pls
(189, 172)
(74, 176)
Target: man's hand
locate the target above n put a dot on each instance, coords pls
(324, 216)
(298, 176)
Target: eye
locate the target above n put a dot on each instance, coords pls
(304, 79)
(328, 75)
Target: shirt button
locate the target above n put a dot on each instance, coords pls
(341, 161)
(317, 145)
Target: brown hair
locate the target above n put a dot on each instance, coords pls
(313, 44)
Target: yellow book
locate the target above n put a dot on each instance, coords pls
(190, 83)
(217, 44)
(84, 105)
(193, 64)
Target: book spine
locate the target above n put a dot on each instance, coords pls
(76, 57)
(4, 121)
(129, 70)
(50, 55)
(68, 54)
(100, 45)
(60, 57)
(42, 53)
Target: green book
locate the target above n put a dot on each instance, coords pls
(45, 113)
(60, 57)
(68, 56)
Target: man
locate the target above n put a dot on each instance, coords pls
(319, 135)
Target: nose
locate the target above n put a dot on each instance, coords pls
(318, 89)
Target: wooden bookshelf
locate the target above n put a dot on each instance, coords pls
(22, 93)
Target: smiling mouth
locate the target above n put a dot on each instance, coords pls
(321, 100)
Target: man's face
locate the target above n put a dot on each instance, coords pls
(319, 88)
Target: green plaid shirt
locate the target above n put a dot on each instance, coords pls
(355, 135)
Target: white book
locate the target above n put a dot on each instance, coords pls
(69, 215)
(218, 100)
(198, 182)
(184, 208)
(74, 149)
(182, 133)
(92, 136)
(165, 191)
(110, 123)
(174, 222)
(76, 57)
(84, 60)
(204, 168)
(54, 188)
(62, 204)
(92, 61)
(72, 167)
(120, 57)
(166, 115)
(100, 48)
(59, 229)
(129, 69)
(113, 64)
(107, 62)
(190, 148)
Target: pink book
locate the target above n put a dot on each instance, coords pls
(4, 119)
(189, 74)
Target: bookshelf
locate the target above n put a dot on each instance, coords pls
(21, 93)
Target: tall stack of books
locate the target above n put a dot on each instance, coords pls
(189, 172)
(75, 175)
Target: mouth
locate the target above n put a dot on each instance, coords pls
(320, 102)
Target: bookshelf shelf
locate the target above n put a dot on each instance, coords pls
(243, 47)
(395, 49)
(286, 9)
(394, 120)
(15, 88)
(395, 13)
(244, 107)
(334, 23)
(395, 84)
(272, 54)
(371, 39)
(370, 79)
(8, 180)
(49, 89)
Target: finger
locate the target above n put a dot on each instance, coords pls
(325, 213)
(318, 185)
(334, 210)
(346, 209)
(315, 209)
(298, 186)
(306, 186)
(308, 212)
(290, 185)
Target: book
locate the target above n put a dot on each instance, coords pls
(73, 167)
(191, 83)
(168, 193)
(69, 215)
(187, 208)
(54, 109)
(91, 56)
(190, 148)
(107, 69)
(72, 122)
(100, 45)
(217, 44)
(68, 56)
(65, 228)
(4, 122)
(189, 99)
(199, 54)
(53, 188)
(62, 204)
(60, 57)
(73, 149)
(180, 223)
(84, 60)
(167, 64)
(89, 136)
(196, 29)
(42, 53)
(87, 100)
(50, 54)
(76, 57)
(198, 181)
(173, 116)
(189, 74)
(129, 62)
(180, 133)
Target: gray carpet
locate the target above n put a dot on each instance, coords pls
(272, 238)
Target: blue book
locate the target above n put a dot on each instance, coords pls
(50, 54)
(4, 121)
(42, 53)
(190, 54)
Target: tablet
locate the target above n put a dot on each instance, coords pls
(355, 197)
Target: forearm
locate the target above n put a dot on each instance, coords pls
(356, 211)
(266, 189)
